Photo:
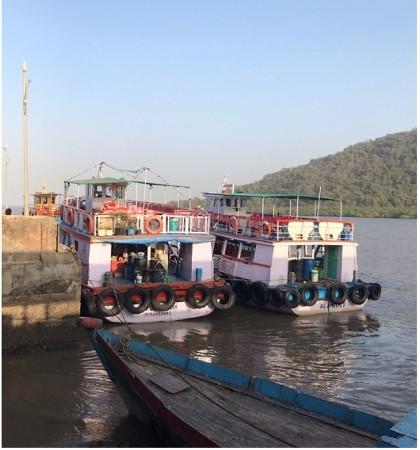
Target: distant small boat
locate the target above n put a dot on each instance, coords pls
(45, 203)
(205, 405)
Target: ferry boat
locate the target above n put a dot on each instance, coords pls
(45, 203)
(286, 262)
(141, 261)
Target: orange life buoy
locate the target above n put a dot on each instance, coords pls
(70, 216)
(153, 225)
(266, 225)
(233, 223)
(89, 224)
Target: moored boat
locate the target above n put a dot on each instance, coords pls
(205, 405)
(283, 261)
(142, 261)
(45, 203)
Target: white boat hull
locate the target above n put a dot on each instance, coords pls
(320, 307)
(180, 311)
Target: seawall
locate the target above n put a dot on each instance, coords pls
(40, 285)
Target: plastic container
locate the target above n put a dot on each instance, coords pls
(198, 273)
(308, 265)
(314, 275)
(173, 224)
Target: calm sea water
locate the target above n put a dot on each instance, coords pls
(364, 359)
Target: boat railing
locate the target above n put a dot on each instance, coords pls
(145, 222)
(283, 228)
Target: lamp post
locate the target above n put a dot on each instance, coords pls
(25, 139)
(6, 163)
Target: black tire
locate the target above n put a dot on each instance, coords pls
(87, 304)
(222, 297)
(156, 302)
(137, 300)
(308, 295)
(375, 291)
(108, 302)
(337, 293)
(358, 293)
(242, 290)
(291, 297)
(203, 300)
(259, 293)
(276, 297)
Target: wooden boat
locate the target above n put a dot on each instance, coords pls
(283, 261)
(142, 261)
(205, 405)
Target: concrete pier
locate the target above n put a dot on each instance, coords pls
(40, 285)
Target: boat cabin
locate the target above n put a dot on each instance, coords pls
(45, 203)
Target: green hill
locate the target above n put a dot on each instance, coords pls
(376, 178)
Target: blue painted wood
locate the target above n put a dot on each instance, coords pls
(407, 426)
(219, 373)
(275, 391)
(397, 442)
(372, 423)
(318, 405)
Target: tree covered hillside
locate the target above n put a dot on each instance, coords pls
(376, 178)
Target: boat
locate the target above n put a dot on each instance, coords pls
(142, 261)
(200, 404)
(45, 203)
(283, 261)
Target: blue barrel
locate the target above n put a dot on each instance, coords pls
(198, 273)
(308, 265)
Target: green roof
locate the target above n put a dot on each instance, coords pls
(274, 195)
(110, 180)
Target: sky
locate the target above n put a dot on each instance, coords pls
(197, 90)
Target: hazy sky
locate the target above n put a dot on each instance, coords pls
(199, 89)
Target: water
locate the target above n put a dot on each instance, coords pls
(364, 359)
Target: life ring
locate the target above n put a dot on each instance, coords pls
(233, 223)
(266, 225)
(198, 296)
(241, 288)
(108, 302)
(150, 225)
(375, 291)
(163, 298)
(308, 295)
(358, 293)
(87, 304)
(259, 293)
(70, 216)
(291, 297)
(337, 293)
(222, 297)
(137, 300)
(89, 224)
(276, 297)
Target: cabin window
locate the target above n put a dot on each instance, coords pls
(221, 202)
(98, 191)
(215, 202)
(218, 246)
(228, 202)
(119, 192)
(108, 191)
(248, 251)
(242, 203)
(232, 248)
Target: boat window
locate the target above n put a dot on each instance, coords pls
(221, 202)
(228, 202)
(108, 191)
(215, 202)
(98, 191)
(218, 246)
(242, 203)
(248, 251)
(232, 248)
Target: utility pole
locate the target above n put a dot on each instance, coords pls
(6, 163)
(25, 139)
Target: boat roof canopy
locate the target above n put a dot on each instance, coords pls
(274, 195)
(157, 239)
(110, 180)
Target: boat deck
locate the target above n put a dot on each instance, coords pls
(229, 417)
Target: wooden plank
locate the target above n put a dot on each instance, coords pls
(169, 383)
(407, 425)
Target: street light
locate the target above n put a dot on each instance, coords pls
(25, 138)
(6, 161)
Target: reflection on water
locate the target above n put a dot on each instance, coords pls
(365, 359)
